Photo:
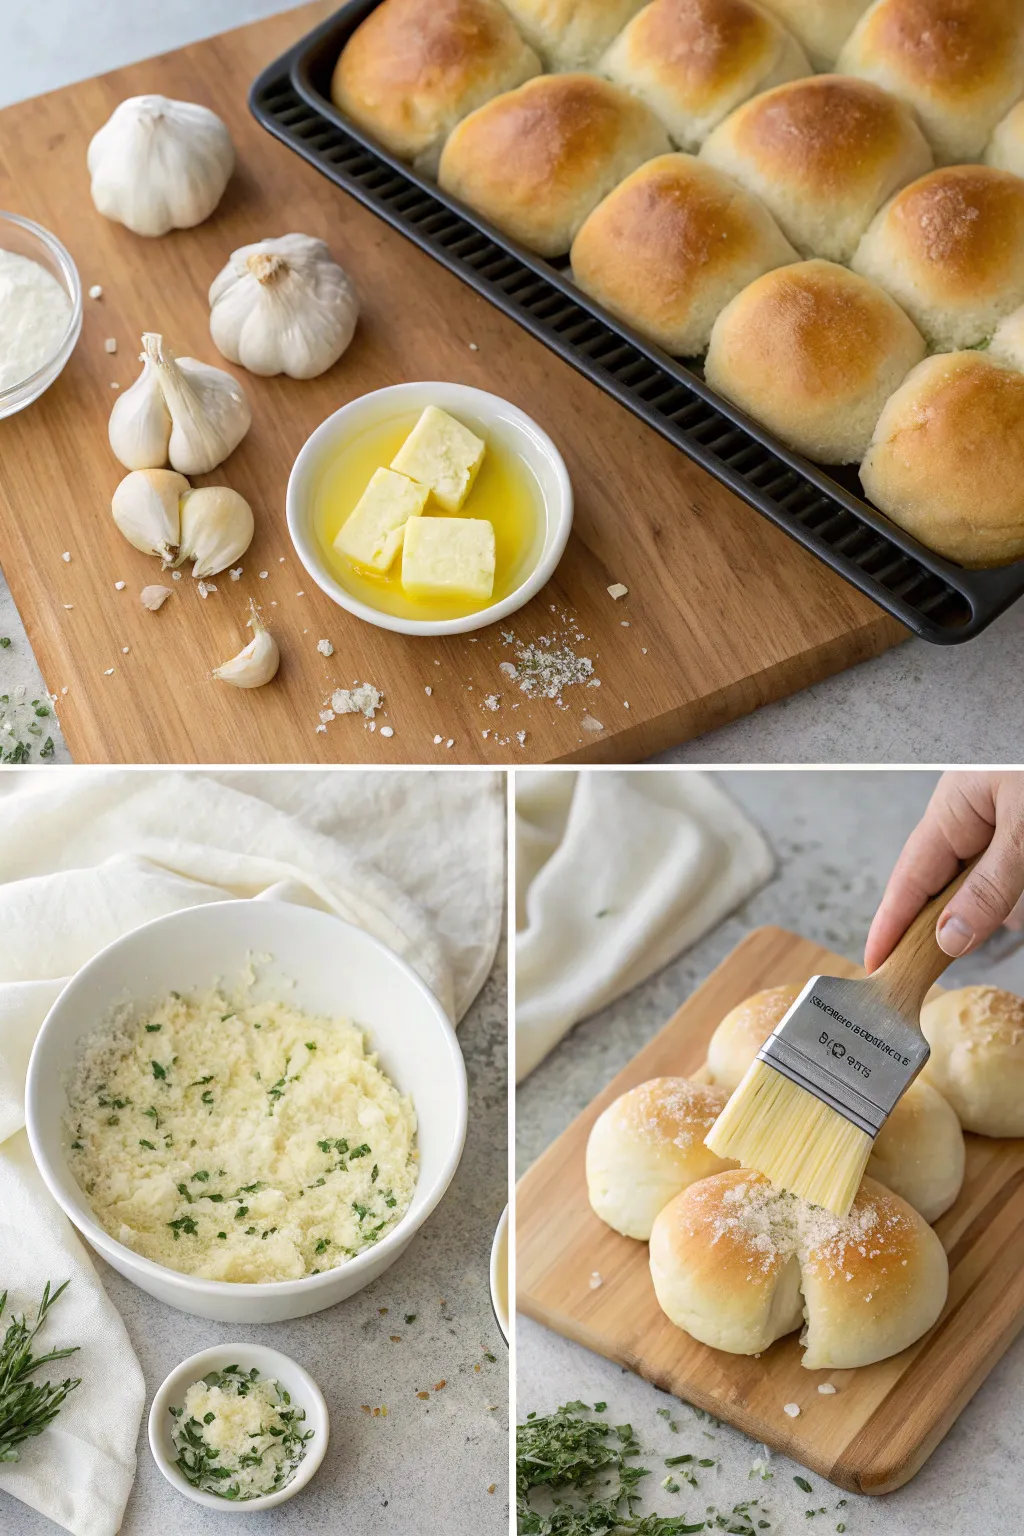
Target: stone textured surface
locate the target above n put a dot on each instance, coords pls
(425, 1468)
(836, 836)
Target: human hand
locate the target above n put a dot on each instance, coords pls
(969, 814)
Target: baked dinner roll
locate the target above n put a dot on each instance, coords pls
(950, 250)
(821, 26)
(946, 461)
(571, 34)
(671, 245)
(958, 63)
(813, 352)
(537, 160)
(824, 154)
(919, 1153)
(413, 68)
(977, 1060)
(737, 1264)
(692, 61)
(648, 1146)
(1005, 149)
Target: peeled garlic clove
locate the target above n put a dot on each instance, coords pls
(179, 411)
(283, 306)
(154, 597)
(257, 663)
(145, 508)
(158, 164)
(140, 423)
(216, 528)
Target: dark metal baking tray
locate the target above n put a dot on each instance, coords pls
(823, 510)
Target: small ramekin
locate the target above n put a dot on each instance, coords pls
(25, 238)
(488, 410)
(272, 1365)
(500, 1278)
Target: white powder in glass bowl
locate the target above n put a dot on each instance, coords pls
(34, 315)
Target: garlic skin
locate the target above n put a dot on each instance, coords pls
(158, 164)
(257, 663)
(145, 508)
(216, 529)
(178, 411)
(154, 597)
(283, 306)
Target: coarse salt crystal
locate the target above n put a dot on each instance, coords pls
(428, 692)
(69, 605)
(325, 648)
(124, 650)
(596, 1279)
(175, 575)
(473, 347)
(236, 573)
(264, 575)
(110, 345)
(204, 587)
(280, 559)
(95, 291)
(109, 672)
(438, 740)
(66, 556)
(491, 701)
(617, 590)
(118, 586)
(386, 730)
(590, 724)
(450, 742)
(793, 1409)
(827, 1389)
(114, 384)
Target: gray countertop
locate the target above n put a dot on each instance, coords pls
(425, 1468)
(836, 836)
(919, 703)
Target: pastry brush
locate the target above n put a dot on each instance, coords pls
(829, 1076)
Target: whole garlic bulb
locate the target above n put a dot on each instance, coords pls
(158, 164)
(257, 663)
(145, 508)
(178, 411)
(216, 528)
(283, 306)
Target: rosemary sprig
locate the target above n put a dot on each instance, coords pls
(25, 1407)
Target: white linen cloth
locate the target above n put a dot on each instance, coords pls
(616, 874)
(416, 859)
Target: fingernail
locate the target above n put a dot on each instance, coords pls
(954, 936)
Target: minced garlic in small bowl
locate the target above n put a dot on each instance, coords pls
(40, 311)
(239, 1427)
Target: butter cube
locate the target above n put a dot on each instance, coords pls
(372, 533)
(449, 557)
(443, 454)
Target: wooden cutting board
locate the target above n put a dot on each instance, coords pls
(885, 1420)
(724, 613)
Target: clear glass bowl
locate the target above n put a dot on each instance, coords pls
(25, 238)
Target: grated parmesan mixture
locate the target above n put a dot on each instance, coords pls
(238, 1434)
(34, 315)
(778, 1226)
(239, 1140)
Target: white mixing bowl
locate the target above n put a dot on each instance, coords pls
(338, 971)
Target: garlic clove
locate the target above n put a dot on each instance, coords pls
(154, 597)
(145, 508)
(216, 528)
(283, 306)
(257, 663)
(158, 164)
(140, 423)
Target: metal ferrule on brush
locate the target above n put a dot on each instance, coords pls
(857, 1060)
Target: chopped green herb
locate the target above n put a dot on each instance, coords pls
(802, 1482)
(158, 1071)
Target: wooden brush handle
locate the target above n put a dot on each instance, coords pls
(917, 962)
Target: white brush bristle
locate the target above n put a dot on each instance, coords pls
(802, 1145)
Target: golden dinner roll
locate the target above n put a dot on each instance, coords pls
(571, 34)
(977, 1060)
(1005, 149)
(671, 245)
(737, 1265)
(958, 63)
(693, 61)
(950, 250)
(413, 68)
(821, 26)
(823, 154)
(813, 352)
(648, 1146)
(538, 160)
(919, 1153)
(946, 461)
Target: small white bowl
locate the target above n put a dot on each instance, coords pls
(337, 970)
(492, 415)
(500, 1277)
(272, 1365)
(25, 238)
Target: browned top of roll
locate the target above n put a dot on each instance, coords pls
(702, 46)
(961, 45)
(826, 131)
(962, 226)
(410, 55)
